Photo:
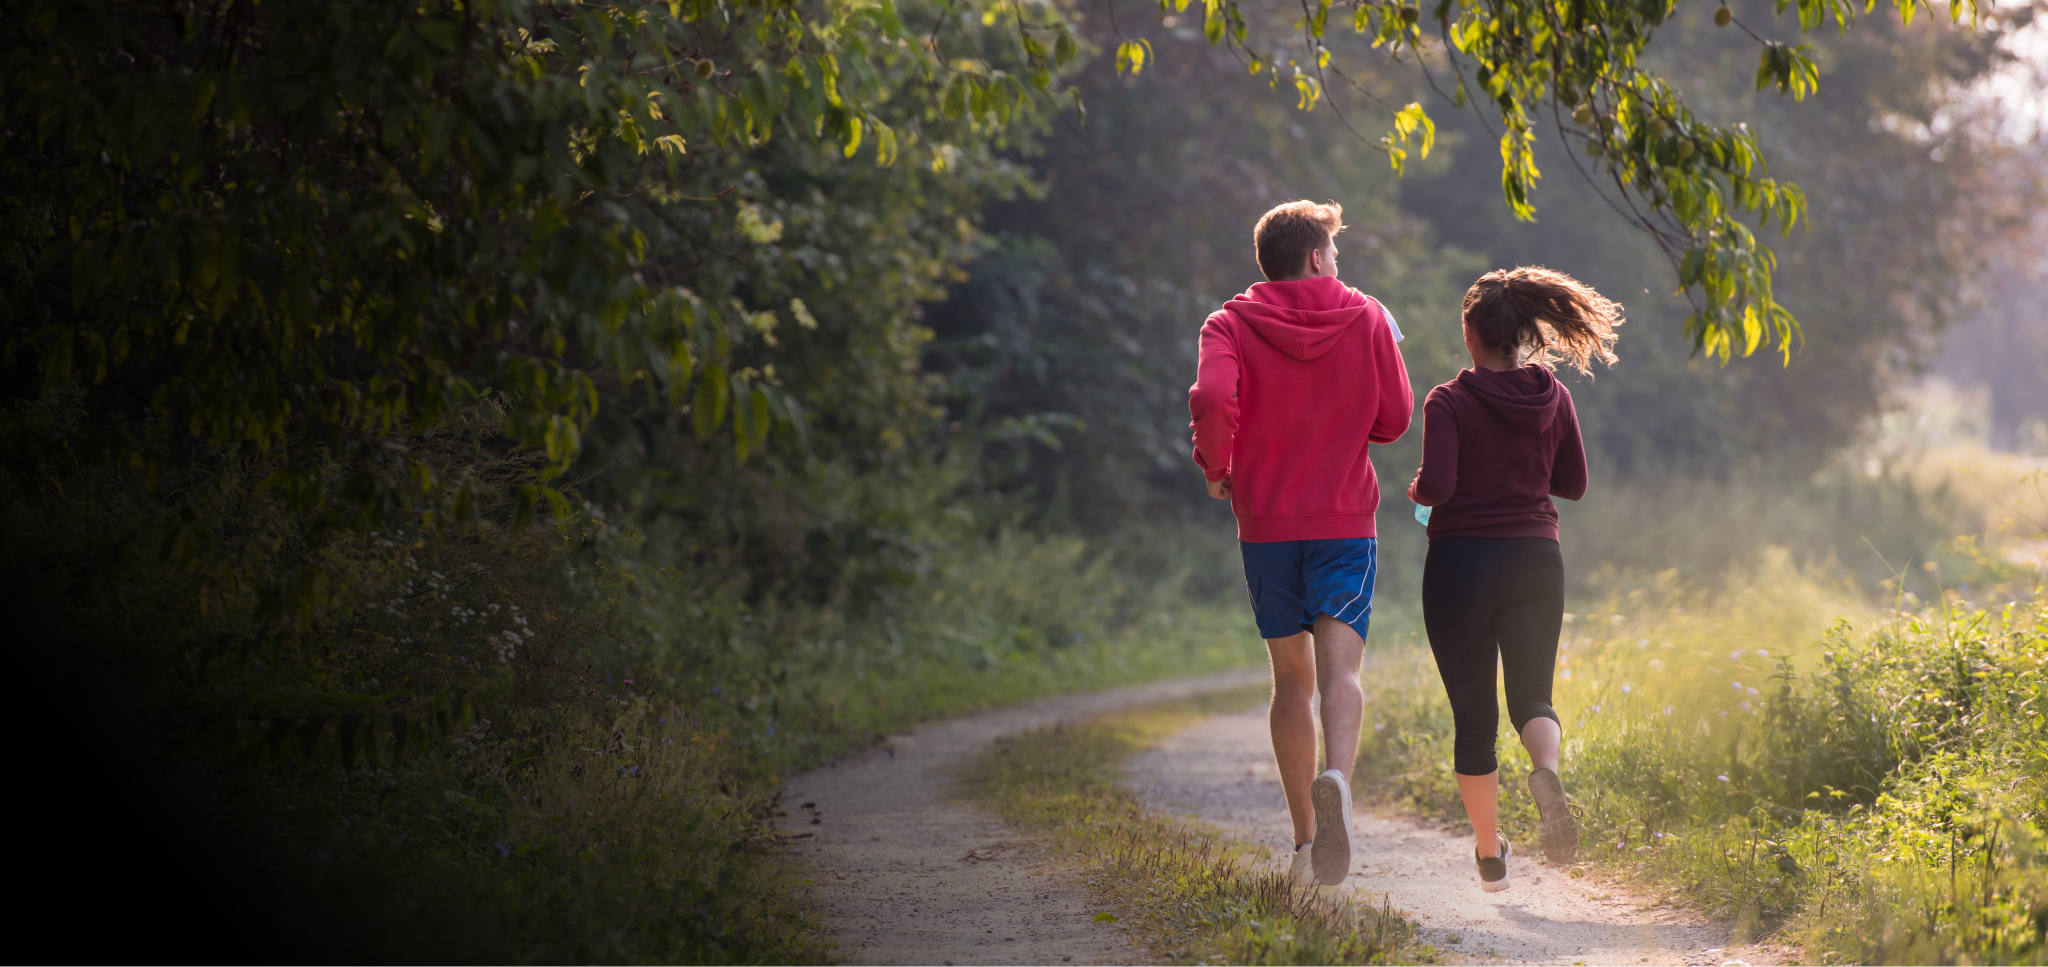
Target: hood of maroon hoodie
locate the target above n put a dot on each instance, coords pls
(1527, 398)
(1302, 318)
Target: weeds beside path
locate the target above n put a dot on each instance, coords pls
(1186, 891)
(1873, 796)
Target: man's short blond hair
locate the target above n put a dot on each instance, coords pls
(1284, 236)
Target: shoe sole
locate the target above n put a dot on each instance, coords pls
(1559, 832)
(1332, 857)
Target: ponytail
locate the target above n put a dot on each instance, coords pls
(1534, 315)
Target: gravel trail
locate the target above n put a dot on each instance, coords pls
(909, 876)
(1221, 770)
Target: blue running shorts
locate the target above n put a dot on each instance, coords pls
(1291, 582)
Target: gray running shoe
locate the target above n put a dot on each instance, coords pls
(1493, 870)
(1559, 831)
(1330, 795)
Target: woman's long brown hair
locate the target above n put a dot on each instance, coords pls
(1535, 315)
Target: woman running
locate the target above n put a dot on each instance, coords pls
(1497, 443)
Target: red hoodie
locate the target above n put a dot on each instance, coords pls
(1495, 448)
(1296, 379)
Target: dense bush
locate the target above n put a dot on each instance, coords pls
(476, 742)
(418, 763)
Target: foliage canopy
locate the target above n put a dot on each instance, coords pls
(312, 225)
(250, 225)
(1579, 68)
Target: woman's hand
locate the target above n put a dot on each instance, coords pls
(1220, 489)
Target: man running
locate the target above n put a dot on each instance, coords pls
(1298, 377)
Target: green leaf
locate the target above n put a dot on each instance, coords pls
(681, 364)
(1106, 917)
(788, 411)
(1407, 122)
(1690, 267)
(751, 420)
(708, 409)
(558, 506)
(953, 102)
(852, 141)
(885, 144)
(1132, 55)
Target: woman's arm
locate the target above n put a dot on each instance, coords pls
(1437, 479)
(1568, 470)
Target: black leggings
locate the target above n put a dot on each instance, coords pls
(1483, 596)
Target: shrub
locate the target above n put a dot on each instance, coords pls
(471, 741)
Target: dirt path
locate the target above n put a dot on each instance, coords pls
(909, 877)
(1221, 770)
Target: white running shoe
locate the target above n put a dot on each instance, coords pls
(1330, 794)
(1493, 870)
(1304, 872)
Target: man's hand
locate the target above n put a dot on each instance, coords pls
(1220, 489)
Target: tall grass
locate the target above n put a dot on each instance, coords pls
(1874, 790)
(988, 622)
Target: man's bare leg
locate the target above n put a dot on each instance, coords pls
(1293, 720)
(1302, 665)
(1339, 653)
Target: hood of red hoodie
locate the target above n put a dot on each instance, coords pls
(1302, 318)
(1527, 398)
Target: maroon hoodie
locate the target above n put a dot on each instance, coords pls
(1495, 448)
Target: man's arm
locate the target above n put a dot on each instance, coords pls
(1212, 404)
(1396, 397)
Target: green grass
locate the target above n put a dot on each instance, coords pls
(1186, 892)
(1874, 793)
